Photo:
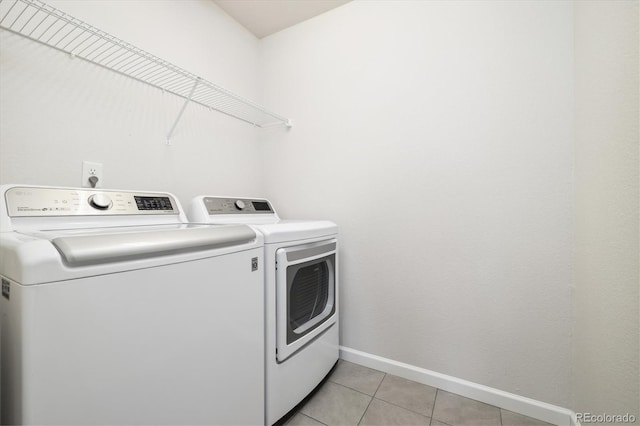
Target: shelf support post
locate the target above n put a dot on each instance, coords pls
(184, 106)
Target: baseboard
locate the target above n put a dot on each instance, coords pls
(529, 407)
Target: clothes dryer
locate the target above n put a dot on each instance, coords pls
(301, 305)
(115, 310)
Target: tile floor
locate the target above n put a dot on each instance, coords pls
(357, 395)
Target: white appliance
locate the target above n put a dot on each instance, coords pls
(301, 305)
(115, 310)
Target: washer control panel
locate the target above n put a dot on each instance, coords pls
(219, 205)
(34, 201)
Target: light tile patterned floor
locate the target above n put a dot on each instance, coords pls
(357, 395)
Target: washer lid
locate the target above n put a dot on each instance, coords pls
(81, 250)
(50, 256)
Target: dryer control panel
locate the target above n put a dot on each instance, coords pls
(221, 205)
(38, 201)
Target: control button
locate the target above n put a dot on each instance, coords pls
(100, 201)
(240, 205)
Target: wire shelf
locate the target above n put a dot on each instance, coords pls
(45, 24)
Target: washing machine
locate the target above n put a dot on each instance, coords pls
(301, 304)
(116, 310)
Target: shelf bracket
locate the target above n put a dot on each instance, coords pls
(184, 106)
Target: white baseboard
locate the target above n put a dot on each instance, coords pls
(519, 404)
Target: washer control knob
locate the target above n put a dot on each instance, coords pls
(240, 205)
(100, 201)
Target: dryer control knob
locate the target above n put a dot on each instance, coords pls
(100, 201)
(240, 205)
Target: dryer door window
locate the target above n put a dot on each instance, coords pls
(306, 294)
(309, 286)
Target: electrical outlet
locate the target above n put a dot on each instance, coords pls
(89, 170)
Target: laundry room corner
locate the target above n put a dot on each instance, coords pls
(438, 135)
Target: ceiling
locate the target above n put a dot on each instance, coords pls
(265, 17)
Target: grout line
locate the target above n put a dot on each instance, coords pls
(384, 376)
(365, 410)
(350, 388)
(312, 418)
(501, 423)
(404, 408)
(433, 409)
(399, 406)
(359, 391)
(305, 415)
(372, 398)
(438, 390)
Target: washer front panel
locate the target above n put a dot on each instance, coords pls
(39, 202)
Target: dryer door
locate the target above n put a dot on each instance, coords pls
(306, 289)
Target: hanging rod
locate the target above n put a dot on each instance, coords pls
(45, 24)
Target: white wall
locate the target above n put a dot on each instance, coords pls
(56, 112)
(438, 135)
(606, 350)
